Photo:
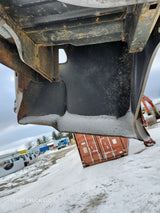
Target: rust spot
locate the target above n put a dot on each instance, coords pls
(23, 82)
(97, 19)
(80, 36)
(141, 17)
(10, 58)
(123, 37)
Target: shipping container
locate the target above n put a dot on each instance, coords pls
(97, 149)
(22, 151)
(43, 149)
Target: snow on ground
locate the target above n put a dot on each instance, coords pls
(12, 183)
(128, 184)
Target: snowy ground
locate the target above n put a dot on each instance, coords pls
(128, 184)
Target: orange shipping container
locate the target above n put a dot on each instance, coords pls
(96, 149)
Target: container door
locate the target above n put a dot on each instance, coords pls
(106, 147)
(117, 145)
(84, 151)
(88, 148)
(94, 149)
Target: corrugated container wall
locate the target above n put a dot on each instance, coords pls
(97, 149)
(43, 149)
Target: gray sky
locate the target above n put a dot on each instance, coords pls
(153, 84)
(13, 134)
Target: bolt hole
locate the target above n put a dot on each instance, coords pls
(153, 6)
(62, 56)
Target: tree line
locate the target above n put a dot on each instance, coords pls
(44, 139)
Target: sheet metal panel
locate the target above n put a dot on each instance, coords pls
(97, 149)
(88, 149)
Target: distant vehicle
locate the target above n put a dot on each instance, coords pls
(11, 165)
(25, 158)
(32, 158)
(62, 142)
(62, 146)
(29, 158)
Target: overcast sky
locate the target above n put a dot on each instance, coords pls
(13, 134)
(153, 84)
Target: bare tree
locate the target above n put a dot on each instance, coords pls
(29, 145)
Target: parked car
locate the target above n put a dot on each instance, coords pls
(11, 165)
(32, 158)
(25, 158)
(29, 158)
(62, 146)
